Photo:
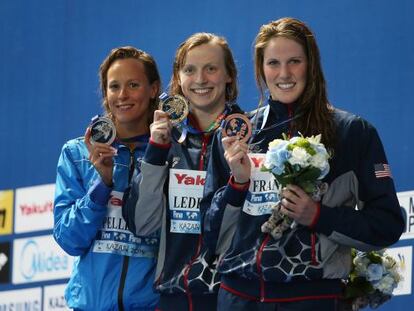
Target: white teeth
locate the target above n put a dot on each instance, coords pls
(286, 85)
(126, 106)
(201, 91)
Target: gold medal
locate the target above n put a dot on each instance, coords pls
(175, 105)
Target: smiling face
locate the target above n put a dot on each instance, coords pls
(128, 93)
(285, 69)
(203, 77)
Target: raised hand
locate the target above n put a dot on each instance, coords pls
(236, 156)
(161, 128)
(101, 157)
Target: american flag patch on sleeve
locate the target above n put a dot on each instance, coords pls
(382, 170)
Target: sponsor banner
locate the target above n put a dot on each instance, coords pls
(6, 212)
(404, 257)
(34, 208)
(5, 262)
(39, 259)
(53, 298)
(22, 299)
(406, 200)
(185, 193)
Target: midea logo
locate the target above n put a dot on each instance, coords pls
(35, 261)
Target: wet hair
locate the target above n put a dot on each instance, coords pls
(150, 67)
(313, 106)
(198, 39)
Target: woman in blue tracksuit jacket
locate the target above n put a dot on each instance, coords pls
(166, 194)
(303, 269)
(114, 270)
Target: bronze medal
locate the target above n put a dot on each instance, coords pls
(237, 125)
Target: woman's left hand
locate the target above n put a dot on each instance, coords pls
(298, 205)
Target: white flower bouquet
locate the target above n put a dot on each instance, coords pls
(301, 161)
(373, 278)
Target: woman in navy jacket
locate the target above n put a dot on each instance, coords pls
(166, 194)
(303, 269)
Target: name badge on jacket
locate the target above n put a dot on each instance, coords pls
(262, 191)
(115, 238)
(185, 193)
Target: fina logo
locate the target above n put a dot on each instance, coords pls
(35, 261)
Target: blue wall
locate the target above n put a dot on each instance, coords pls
(50, 51)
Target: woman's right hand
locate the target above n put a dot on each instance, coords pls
(235, 153)
(101, 157)
(160, 128)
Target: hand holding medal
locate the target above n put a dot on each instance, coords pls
(98, 139)
(102, 130)
(176, 106)
(236, 131)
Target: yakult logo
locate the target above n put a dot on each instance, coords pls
(189, 180)
(257, 162)
(27, 209)
(115, 199)
(34, 208)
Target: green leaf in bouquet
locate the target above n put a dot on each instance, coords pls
(374, 257)
(310, 173)
(264, 169)
(352, 292)
(291, 175)
(296, 168)
(284, 180)
(358, 287)
(302, 142)
(307, 186)
(289, 169)
(310, 150)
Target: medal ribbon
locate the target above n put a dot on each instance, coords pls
(212, 127)
(257, 131)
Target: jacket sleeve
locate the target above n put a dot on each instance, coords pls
(378, 221)
(221, 203)
(144, 203)
(78, 212)
(221, 218)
